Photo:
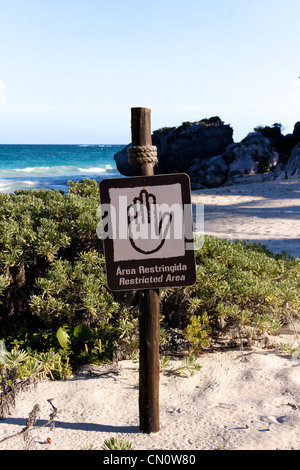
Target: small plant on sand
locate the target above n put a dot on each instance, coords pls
(164, 364)
(287, 349)
(117, 444)
(88, 446)
(14, 379)
(49, 362)
(186, 368)
(33, 368)
(291, 350)
(15, 357)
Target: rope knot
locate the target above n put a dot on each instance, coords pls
(143, 154)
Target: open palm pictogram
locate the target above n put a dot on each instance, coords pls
(147, 234)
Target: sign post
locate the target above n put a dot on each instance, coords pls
(148, 244)
(149, 322)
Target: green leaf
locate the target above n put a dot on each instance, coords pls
(82, 333)
(63, 337)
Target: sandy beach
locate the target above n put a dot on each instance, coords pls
(267, 213)
(239, 400)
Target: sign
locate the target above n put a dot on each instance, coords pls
(147, 230)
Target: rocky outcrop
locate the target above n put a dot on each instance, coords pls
(179, 147)
(296, 133)
(293, 165)
(283, 144)
(253, 155)
(263, 155)
(206, 152)
(209, 173)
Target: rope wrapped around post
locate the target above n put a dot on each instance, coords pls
(139, 155)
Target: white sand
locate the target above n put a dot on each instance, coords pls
(267, 213)
(238, 400)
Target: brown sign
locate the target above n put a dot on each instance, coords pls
(147, 229)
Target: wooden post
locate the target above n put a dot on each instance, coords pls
(149, 324)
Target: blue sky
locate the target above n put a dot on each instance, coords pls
(70, 70)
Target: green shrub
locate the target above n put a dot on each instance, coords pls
(84, 188)
(52, 276)
(74, 292)
(52, 267)
(198, 332)
(238, 284)
(39, 228)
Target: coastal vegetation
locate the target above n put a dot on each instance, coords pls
(56, 309)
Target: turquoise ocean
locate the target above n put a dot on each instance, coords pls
(52, 166)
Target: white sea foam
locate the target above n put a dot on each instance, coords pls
(55, 177)
(7, 186)
(51, 167)
(94, 145)
(30, 169)
(95, 170)
(48, 171)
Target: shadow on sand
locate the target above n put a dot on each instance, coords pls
(77, 426)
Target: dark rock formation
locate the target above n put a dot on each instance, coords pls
(209, 173)
(254, 154)
(179, 147)
(296, 133)
(293, 165)
(206, 152)
(283, 144)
